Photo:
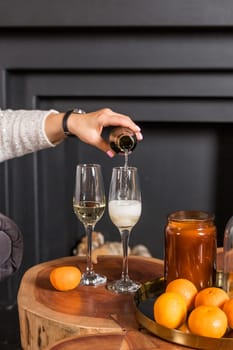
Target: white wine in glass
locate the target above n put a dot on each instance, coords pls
(124, 208)
(89, 205)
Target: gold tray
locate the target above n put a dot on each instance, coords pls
(144, 299)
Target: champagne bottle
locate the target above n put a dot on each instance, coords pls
(122, 140)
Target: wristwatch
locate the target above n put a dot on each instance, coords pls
(66, 117)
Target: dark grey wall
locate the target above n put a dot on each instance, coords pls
(168, 64)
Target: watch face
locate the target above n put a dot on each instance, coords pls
(78, 111)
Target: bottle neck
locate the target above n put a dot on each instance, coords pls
(122, 140)
(126, 143)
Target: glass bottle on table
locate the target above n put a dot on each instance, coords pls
(228, 258)
(89, 205)
(191, 248)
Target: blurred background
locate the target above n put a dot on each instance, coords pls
(167, 64)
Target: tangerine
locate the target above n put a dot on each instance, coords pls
(185, 288)
(208, 321)
(170, 310)
(211, 296)
(228, 309)
(65, 278)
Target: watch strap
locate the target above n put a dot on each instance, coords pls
(65, 120)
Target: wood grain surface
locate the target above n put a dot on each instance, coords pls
(47, 315)
(130, 340)
(87, 317)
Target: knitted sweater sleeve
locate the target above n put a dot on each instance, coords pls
(22, 132)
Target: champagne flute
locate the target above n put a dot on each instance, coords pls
(89, 205)
(125, 210)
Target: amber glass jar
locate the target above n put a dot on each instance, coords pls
(190, 247)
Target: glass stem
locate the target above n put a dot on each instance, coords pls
(125, 244)
(89, 268)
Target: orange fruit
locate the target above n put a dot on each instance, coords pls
(228, 309)
(170, 310)
(208, 321)
(185, 288)
(65, 278)
(211, 296)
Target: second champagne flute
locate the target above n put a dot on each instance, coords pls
(125, 210)
(89, 205)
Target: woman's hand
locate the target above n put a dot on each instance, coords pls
(88, 127)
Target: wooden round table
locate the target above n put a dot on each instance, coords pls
(47, 315)
(87, 317)
(129, 340)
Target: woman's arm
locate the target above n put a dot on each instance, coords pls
(26, 131)
(88, 127)
(22, 132)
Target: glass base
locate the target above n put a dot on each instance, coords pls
(123, 286)
(93, 279)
